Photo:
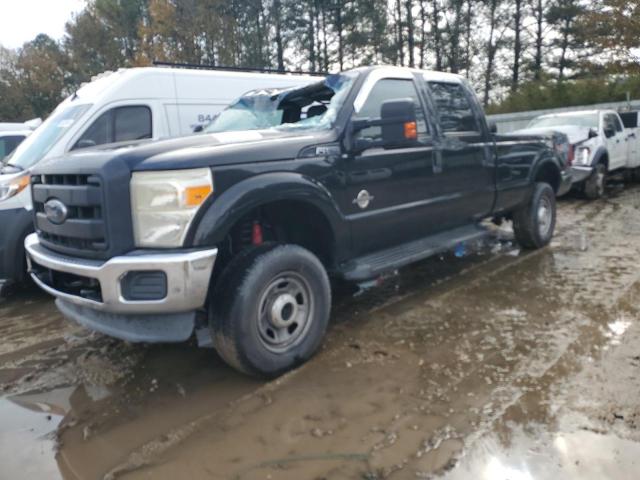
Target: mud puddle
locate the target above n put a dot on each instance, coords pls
(456, 365)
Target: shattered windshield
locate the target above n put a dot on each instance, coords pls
(589, 120)
(313, 106)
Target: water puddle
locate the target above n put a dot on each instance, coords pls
(537, 455)
(27, 437)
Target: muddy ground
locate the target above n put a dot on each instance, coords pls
(500, 364)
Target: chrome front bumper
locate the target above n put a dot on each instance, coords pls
(580, 173)
(188, 275)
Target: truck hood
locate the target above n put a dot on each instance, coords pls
(203, 150)
(574, 133)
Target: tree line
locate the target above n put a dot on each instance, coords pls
(518, 54)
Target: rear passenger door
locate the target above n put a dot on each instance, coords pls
(464, 164)
(119, 124)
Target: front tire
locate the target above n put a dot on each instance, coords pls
(594, 185)
(270, 309)
(534, 223)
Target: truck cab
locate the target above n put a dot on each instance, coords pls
(350, 177)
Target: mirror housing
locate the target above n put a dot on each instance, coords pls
(493, 126)
(198, 128)
(593, 133)
(399, 125)
(86, 143)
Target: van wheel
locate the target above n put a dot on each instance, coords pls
(270, 309)
(595, 184)
(534, 223)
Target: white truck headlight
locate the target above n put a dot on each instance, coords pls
(584, 155)
(164, 203)
(13, 186)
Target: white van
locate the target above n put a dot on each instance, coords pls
(130, 104)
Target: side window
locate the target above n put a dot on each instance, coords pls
(455, 113)
(9, 144)
(610, 122)
(99, 133)
(617, 123)
(390, 89)
(117, 125)
(132, 123)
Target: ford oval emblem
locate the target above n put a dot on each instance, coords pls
(56, 211)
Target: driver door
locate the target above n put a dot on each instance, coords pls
(386, 189)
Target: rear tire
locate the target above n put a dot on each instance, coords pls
(534, 223)
(270, 309)
(594, 186)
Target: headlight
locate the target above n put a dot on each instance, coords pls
(584, 155)
(164, 203)
(13, 186)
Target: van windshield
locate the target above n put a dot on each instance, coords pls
(313, 106)
(36, 145)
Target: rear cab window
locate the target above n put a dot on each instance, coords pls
(455, 112)
(120, 124)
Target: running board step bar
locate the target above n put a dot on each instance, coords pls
(376, 264)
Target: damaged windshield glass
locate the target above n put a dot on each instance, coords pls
(313, 106)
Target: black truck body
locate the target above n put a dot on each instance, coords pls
(401, 166)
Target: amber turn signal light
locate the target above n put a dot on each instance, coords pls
(410, 130)
(196, 195)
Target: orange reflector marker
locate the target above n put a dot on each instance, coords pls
(410, 130)
(194, 196)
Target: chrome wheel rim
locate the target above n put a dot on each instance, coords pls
(285, 312)
(545, 216)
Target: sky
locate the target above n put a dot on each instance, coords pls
(22, 20)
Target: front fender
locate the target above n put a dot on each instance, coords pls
(598, 155)
(212, 226)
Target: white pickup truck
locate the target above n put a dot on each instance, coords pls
(602, 142)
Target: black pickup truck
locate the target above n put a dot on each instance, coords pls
(244, 225)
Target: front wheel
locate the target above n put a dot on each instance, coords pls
(534, 223)
(594, 185)
(270, 309)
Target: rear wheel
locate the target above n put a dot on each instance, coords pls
(594, 185)
(270, 309)
(534, 223)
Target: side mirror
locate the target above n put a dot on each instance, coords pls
(398, 122)
(609, 132)
(86, 143)
(592, 133)
(198, 128)
(493, 126)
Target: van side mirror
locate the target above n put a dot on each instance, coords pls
(84, 143)
(198, 128)
(399, 125)
(592, 133)
(493, 126)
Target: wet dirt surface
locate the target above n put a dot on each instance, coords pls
(501, 364)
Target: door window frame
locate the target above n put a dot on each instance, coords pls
(383, 74)
(107, 108)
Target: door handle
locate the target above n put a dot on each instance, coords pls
(437, 161)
